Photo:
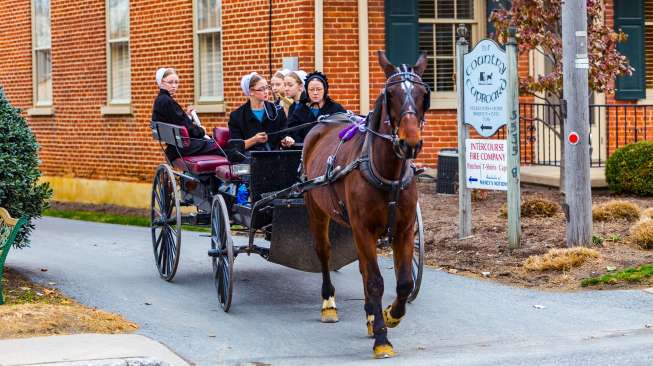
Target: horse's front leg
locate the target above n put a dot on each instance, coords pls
(373, 283)
(319, 226)
(402, 248)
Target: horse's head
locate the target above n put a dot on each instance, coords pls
(406, 100)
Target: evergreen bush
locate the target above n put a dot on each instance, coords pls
(630, 169)
(20, 192)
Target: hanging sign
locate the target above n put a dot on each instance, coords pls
(485, 87)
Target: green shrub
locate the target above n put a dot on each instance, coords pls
(630, 169)
(20, 192)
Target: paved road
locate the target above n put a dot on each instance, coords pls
(274, 318)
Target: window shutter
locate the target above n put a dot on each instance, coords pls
(629, 17)
(401, 31)
(492, 5)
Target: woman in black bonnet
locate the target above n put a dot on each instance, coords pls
(317, 103)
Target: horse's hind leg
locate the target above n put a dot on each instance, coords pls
(373, 283)
(402, 248)
(319, 226)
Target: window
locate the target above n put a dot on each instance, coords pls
(438, 21)
(648, 42)
(208, 54)
(42, 54)
(118, 65)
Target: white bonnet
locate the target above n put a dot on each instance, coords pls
(159, 75)
(244, 82)
(302, 75)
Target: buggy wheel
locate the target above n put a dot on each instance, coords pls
(222, 243)
(418, 254)
(165, 222)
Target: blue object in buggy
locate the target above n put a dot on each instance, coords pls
(242, 195)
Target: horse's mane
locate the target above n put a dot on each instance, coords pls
(374, 118)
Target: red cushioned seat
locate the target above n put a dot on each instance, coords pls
(201, 164)
(221, 136)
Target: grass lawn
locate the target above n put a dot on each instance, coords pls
(635, 274)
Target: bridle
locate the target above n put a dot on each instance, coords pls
(407, 79)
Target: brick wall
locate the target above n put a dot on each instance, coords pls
(79, 142)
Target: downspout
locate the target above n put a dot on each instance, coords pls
(363, 58)
(270, 39)
(319, 35)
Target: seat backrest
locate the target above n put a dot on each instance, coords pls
(9, 228)
(170, 134)
(221, 136)
(273, 171)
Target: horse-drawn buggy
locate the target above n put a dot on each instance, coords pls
(283, 218)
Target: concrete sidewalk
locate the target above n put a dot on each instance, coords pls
(88, 349)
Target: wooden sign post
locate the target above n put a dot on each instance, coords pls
(488, 98)
(512, 106)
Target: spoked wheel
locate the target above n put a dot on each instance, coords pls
(418, 254)
(222, 243)
(165, 222)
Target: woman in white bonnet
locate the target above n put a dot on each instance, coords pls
(257, 117)
(294, 89)
(167, 110)
(278, 92)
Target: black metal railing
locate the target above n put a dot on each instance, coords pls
(611, 126)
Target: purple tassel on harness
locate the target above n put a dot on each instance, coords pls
(350, 131)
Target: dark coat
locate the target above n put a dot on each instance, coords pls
(167, 110)
(243, 125)
(302, 114)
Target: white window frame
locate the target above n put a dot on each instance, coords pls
(448, 100)
(116, 106)
(40, 108)
(649, 91)
(206, 104)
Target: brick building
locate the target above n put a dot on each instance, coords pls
(83, 71)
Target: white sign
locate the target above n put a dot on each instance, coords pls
(487, 164)
(486, 80)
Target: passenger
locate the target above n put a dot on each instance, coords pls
(254, 120)
(317, 104)
(294, 89)
(167, 110)
(278, 92)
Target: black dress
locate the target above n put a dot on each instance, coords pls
(302, 114)
(243, 124)
(167, 110)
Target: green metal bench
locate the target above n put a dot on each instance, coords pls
(9, 228)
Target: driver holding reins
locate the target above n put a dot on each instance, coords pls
(256, 121)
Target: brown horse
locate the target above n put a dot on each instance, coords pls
(381, 178)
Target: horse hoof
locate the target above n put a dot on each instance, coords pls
(384, 351)
(370, 325)
(390, 321)
(329, 316)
